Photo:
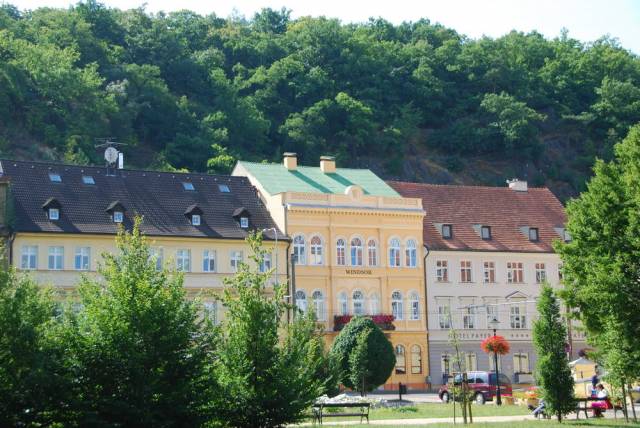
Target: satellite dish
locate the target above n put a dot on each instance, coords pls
(111, 155)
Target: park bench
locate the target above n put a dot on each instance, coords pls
(360, 410)
(582, 405)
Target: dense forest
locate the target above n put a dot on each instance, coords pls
(415, 101)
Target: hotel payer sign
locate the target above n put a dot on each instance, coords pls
(358, 271)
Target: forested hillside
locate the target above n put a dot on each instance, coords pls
(415, 101)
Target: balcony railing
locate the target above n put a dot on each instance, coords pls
(384, 321)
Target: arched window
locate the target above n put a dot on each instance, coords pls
(401, 364)
(374, 304)
(414, 305)
(318, 305)
(316, 251)
(343, 303)
(416, 360)
(301, 301)
(299, 250)
(394, 253)
(340, 250)
(411, 253)
(372, 252)
(396, 305)
(358, 302)
(356, 252)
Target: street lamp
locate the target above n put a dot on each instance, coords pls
(494, 324)
(275, 233)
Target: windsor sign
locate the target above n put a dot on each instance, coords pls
(358, 271)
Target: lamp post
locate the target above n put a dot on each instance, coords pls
(493, 324)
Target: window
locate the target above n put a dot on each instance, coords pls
(157, 254)
(118, 216)
(396, 305)
(316, 251)
(211, 311)
(187, 185)
(87, 179)
(54, 214)
(209, 261)
(235, 259)
(445, 364)
(470, 361)
(442, 271)
(521, 362)
(356, 252)
(372, 252)
(374, 304)
(517, 317)
(485, 232)
(183, 260)
(447, 231)
(82, 258)
(492, 313)
(414, 305)
(401, 364)
(299, 250)
(541, 273)
(411, 254)
(515, 272)
(265, 263)
(343, 303)
(29, 257)
(416, 360)
(301, 301)
(55, 177)
(465, 271)
(489, 272)
(223, 188)
(394, 253)
(318, 305)
(340, 252)
(357, 300)
(56, 258)
(533, 234)
(444, 315)
(195, 219)
(244, 222)
(469, 318)
(566, 236)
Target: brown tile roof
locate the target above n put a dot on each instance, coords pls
(159, 197)
(506, 211)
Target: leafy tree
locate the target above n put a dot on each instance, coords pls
(359, 370)
(222, 162)
(137, 347)
(33, 380)
(553, 373)
(380, 359)
(265, 370)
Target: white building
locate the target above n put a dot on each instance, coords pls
(488, 250)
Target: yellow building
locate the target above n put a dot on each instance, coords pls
(357, 246)
(59, 219)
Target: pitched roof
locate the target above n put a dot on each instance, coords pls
(275, 178)
(159, 197)
(509, 213)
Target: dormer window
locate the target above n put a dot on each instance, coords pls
(54, 214)
(187, 185)
(52, 208)
(118, 216)
(194, 214)
(195, 219)
(242, 217)
(244, 222)
(485, 232)
(447, 231)
(116, 209)
(566, 236)
(533, 234)
(55, 177)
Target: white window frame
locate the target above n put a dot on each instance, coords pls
(469, 319)
(466, 271)
(54, 213)
(183, 260)
(83, 256)
(356, 250)
(301, 301)
(374, 304)
(416, 350)
(521, 362)
(372, 252)
(316, 249)
(442, 271)
(211, 310)
(517, 317)
(515, 272)
(266, 263)
(118, 216)
(449, 229)
(444, 314)
(395, 253)
(489, 272)
(196, 220)
(244, 222)
(29, 257)
(414, 306)
(300, 249)
(341, 252)
(209, 261)
(56, 258)
(397, 305)
(471, 361)
(343, 303)
(401, 357)
(318, 304)
(541, 273)
(235, 259)
(358, 303)
(411, 253)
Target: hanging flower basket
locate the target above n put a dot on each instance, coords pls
(495, 344)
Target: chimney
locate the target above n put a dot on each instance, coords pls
(327, 164)
(517, 185)
(290, 161)
(120, 160)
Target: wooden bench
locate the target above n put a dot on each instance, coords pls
(319, 412)
(582, 405)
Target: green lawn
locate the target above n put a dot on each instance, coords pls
(606, 423)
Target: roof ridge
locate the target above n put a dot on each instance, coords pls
(468, 186)
(308, 166)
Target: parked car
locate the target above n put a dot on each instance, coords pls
(482, 385)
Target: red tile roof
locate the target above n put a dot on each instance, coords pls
(506, 211)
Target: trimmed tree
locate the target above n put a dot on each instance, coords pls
(266, 372)
(552, 369)
(379, 362)
(359, 370)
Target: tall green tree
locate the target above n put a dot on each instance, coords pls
(265, 373)
(553, 373)
(379, 361)
(137, 347)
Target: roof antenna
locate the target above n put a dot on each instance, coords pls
(113, 158)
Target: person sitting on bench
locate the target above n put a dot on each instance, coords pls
(603, 402)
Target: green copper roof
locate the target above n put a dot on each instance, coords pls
(275, 178)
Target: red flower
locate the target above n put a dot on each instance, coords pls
(497, 344)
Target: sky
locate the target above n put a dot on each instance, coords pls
(586, 20)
